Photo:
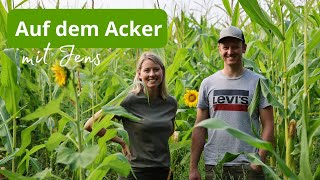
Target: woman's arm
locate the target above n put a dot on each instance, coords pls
(88, 126)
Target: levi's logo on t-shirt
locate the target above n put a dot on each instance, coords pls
(230, 100)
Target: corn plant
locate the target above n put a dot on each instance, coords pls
(41, 130)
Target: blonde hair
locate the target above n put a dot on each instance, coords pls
(138, 87)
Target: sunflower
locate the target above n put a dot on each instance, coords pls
(191, 98)
(60, 74)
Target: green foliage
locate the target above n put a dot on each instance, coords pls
(75, 159)
(51, 108)
(120, 111)
(9, 89)
(54, 141)
(255, 12)
(191, 54)
(117, 162)
(215, 123)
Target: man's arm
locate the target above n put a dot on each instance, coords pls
(267, 121)
(266, 117)
(197, 144)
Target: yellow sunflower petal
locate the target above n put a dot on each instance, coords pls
(191, 98)
(60, 74)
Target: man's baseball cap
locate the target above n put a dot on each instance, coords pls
(231, 31)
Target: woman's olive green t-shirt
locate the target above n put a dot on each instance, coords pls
(149, 137)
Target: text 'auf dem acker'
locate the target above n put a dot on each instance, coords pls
(63, 29)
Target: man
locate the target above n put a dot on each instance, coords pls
(226, 95)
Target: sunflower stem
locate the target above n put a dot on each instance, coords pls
(77, 119)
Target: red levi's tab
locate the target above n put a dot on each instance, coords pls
(231, 107)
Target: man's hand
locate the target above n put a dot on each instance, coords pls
(198, 140)
(194, 174)
(256, 168)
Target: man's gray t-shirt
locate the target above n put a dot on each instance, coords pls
(228, 99)
(149, 137)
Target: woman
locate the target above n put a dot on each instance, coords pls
(148, 153)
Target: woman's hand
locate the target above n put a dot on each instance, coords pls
(256, 168)
(126, 150)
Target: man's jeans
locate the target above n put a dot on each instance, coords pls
(233, 173)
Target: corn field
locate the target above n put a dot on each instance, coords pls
(41, 121)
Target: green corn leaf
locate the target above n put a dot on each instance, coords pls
(250, 64)
(15, 176)
(314, 78)
(292, 9)
(123, 83)
(9, 89)
(255, 99)
(20, 4)
(257, 15)
(103, 66)
(305, 169)
(179, 89)
(183, 125)
(104, 123)
(46, 174)
(262, 67)
(8, 157)
(51, 108)
(102, 145)
(228, 157)
(170, 27)
(236, 15)
(3, 21)
(124, 134)
(316, 175)
(270, 97)
(218, 124)
(313, 128)
(54, 140)
(174, 146)
(227, 7)
(4, 128)
(9, 5)
(35, 164)
(255, 159)
(315, 15)
(117, 162)
(181, 55)
(26, 135)
(62, 123)
(28, 154)
(75, 159)
(118, 99)
(120, 111)
(314, 41)
(214, 123)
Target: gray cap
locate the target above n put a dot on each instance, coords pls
(231, 31)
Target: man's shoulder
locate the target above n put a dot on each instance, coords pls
(213, 76)
(254, 75)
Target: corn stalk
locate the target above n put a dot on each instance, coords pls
(288, 139)
(305, 170)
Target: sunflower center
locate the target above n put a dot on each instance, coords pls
(192, 98)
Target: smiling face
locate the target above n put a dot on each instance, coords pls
(151, 74)
(231, 50)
